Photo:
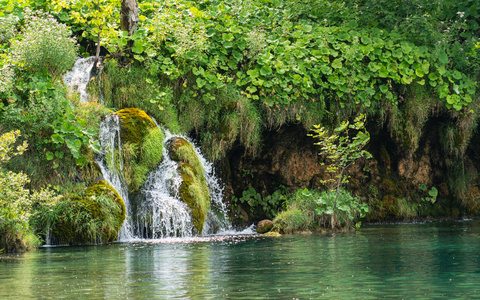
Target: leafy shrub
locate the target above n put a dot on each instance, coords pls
(261, 207)
(44, 44)
(348, 209)
(307, 210)
(16, 201)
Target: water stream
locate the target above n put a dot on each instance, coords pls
(157, 211)
(78, 78)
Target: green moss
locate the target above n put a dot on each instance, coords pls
(290, 220)
(142, 146)
(194, 189)
(134, 125)
(94, 215)
(385, 157)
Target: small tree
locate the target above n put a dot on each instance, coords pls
(342, 149)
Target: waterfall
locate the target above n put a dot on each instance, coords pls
(111, 164)
(78, 78)
(157, 211)
(162, 213)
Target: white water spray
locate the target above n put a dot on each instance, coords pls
(78, 78)
(111, 164)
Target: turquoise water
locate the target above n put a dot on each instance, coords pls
(413, 261)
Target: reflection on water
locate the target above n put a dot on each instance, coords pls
(420, 261)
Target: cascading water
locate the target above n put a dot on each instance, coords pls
(78, 78)
(163, 214)
(156, 211)
(111, 164)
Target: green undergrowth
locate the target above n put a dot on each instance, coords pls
(85, 216)
(194, 189)
(311, 210)
(261, 207)
(133, 86)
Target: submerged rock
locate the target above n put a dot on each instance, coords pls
(194, 189)
(264, 226)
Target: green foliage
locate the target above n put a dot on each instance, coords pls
(342, 149)
(348, 210)
(15, 201)
(71, 131)
(261, 207)
(283, 60)
(433, 193)
(92, 215)
(92, 18)
(44, 44)
(311, 210)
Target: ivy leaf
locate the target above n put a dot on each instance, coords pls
(200, 82)
(265, 70)
(57, 138)
(383, 72)
(337, 63)
(59, 154)
(457, 75)
(137, 47)
(253, 73)
(49, 155)
(383, 88)
(443, 58)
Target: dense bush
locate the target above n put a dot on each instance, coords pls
(312, 210)
(44, 44)
(16, 201)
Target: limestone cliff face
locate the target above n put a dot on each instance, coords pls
(393, 178)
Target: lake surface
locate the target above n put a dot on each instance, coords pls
(420, 261)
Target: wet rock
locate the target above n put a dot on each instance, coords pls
(194, 189)
(264, 226)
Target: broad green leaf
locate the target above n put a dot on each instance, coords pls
(49, 155)
(337, 63)
(265, 70)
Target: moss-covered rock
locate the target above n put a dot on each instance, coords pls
(194, 189)
(264, 226)
(96, 215)
(142, 146)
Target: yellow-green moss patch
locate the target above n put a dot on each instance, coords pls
(142, 146)
(194, 189)
(95, 215)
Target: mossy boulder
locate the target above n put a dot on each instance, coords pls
(264, 226)
(194, 189)
(95, 215)
(142, 146)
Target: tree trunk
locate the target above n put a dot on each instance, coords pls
(129, 16)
